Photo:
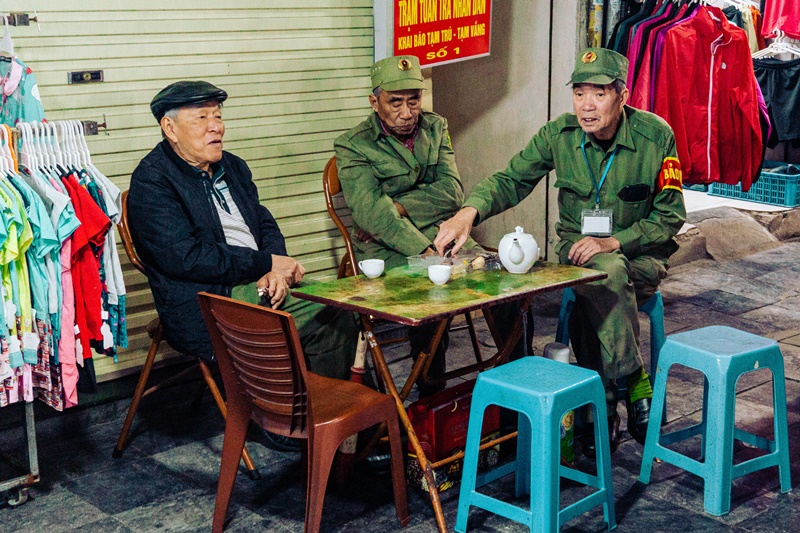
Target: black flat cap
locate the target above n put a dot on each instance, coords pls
(184, 93)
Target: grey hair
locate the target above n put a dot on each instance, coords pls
(377, 91)
(173, 113)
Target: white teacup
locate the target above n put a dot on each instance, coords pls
(372, 268)
(439, 274)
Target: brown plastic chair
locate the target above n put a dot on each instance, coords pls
(338, 211)
(156, 332)
(264, 371)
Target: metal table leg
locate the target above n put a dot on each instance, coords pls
(420, 368)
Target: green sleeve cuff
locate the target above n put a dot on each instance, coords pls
(629, 241)
(480, 205)
(412, 246)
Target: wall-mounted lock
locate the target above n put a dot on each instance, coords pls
(85, 76)
(19, 19)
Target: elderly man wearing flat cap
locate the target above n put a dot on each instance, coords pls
(399, 178)
(198, 226)
(620, 205)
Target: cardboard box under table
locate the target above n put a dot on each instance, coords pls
(440, 422)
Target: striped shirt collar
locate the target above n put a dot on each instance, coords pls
(217, 177)
(219, 185)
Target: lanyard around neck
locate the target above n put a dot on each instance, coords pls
(597, 186)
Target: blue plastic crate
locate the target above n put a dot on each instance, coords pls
(771, 188)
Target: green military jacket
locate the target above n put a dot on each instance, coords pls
(375, 170)
(646, 156)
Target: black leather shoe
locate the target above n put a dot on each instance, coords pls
(379, 462)
(638, 418)
(587, 441)
(283, 443)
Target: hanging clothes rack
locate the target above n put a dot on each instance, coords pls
(19, 485)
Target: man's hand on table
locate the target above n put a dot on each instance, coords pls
(274, 288)
(588, 247)
(455, 229)
(288, 269)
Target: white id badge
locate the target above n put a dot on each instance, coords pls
(597, 222)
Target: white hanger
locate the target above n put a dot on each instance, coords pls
(9, 139)
(778, 46)
(63, 144)
(5, 165)
(4, 149)
(67, 143)
(34, 146)
(742, 4)
(74, 145)
(61, 156)
(45, 143)
(45, 160)
(52, 143)
(38, 157)
(82, 146)
(25, 156)
(5, 43)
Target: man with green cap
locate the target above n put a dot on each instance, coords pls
(399, 177)
(197, 224)
(620, 205)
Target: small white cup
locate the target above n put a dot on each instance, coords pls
(372, 268)
(439, 274)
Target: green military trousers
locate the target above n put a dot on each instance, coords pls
(604, 324)
(328, 335)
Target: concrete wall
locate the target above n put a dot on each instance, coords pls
(495, 104)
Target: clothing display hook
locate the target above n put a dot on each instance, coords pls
(5, 43)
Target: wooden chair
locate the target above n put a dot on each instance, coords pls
(264, 371)
(339, 213)
(156, 332)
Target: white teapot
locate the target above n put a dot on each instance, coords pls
(518, 251)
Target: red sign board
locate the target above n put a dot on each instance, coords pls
(442, 31)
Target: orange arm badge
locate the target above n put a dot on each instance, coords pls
(670, 176)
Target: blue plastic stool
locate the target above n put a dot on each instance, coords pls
(722, 354)
(653, 308)
(541, 391)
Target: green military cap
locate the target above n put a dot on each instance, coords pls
(185, 93)
(600, 66)
(397, 73)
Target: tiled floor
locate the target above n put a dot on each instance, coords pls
(166, 480)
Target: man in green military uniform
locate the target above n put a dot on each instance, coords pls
(399, 178)
(620, 205)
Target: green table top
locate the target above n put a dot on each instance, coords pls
(408, 297)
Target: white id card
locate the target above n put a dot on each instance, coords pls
(597, 222)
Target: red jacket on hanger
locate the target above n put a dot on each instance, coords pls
(706, 90)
